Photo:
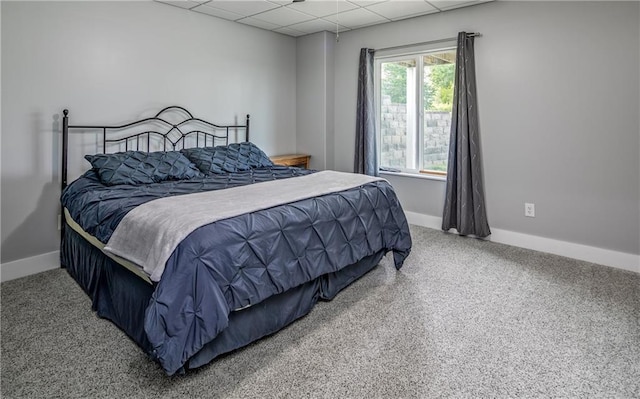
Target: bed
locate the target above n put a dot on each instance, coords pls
(195, 244)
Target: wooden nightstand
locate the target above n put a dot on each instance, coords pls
(299, 160)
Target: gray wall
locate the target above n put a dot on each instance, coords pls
(115, 61)
(558, 88)
(314, 108)
(577, 63)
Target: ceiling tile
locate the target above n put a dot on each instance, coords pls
(243, 7)
(342, 29)
(187, 4)
(216, 12)
(364, 3)
(321, 8)
(357, 18)
(399, 9)
(283, 16)
(317, 25)
(258, 23)
(449, 4)
(289, 31)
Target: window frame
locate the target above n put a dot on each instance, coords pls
(416, 53)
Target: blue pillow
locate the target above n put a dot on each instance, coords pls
(137, 167)
(230, 158)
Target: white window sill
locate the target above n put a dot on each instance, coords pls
(414, 175)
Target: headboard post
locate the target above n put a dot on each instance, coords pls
(247, 130)
(65, 145)
(63, 172)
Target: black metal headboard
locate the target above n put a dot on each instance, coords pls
(171, 135)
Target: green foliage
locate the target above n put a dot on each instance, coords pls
(394, 82)
(443, 75)
(438, 87)
(428, 94)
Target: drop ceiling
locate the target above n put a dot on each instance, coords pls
(311, 16)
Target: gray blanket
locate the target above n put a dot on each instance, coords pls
(148, 235)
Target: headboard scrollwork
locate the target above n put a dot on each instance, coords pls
(172, 128)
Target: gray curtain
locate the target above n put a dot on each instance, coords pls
(366, 157)
(464, 207)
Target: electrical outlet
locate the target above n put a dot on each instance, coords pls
(529, 210)
(59, 222)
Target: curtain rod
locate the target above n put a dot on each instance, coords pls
(473, 34)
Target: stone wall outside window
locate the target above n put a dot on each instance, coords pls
(393, 123)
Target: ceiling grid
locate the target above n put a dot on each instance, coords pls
(311, 16)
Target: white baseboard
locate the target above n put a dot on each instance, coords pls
(607, 257)
(27, 266)
(420, 219)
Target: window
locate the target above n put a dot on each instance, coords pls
(414, 98)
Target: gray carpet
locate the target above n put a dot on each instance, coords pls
(463, 318)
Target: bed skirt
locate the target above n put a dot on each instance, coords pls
(122, 297)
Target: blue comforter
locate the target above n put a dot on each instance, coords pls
(238, 262)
